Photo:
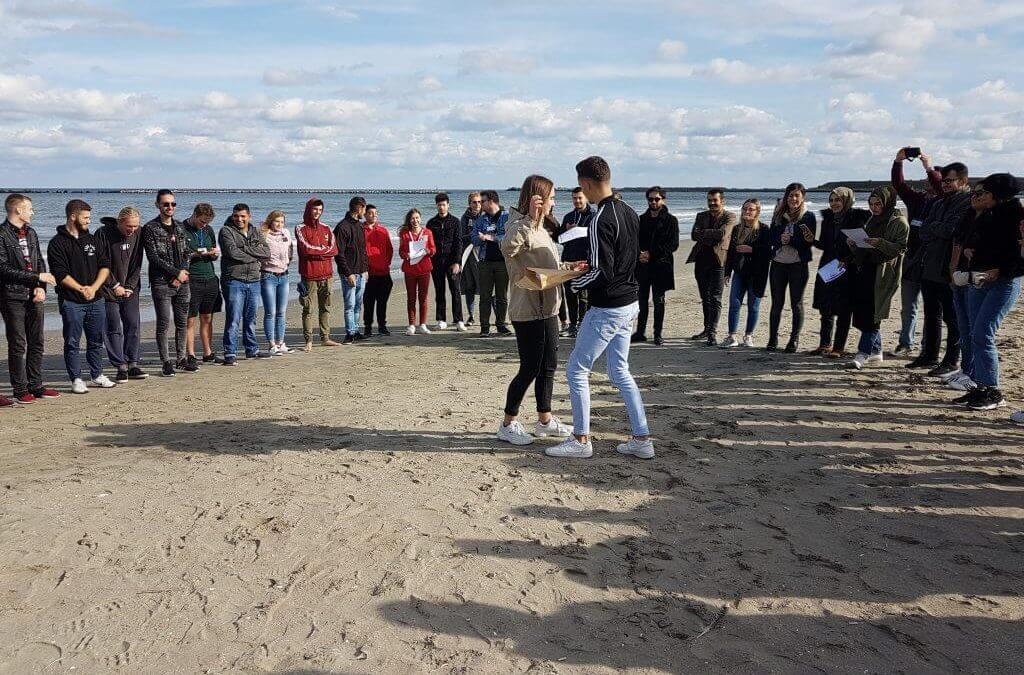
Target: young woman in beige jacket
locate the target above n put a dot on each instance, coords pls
(534, 313)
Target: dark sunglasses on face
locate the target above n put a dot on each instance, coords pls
(653, 199)
(166, 204)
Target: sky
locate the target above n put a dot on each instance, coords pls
(398, 94)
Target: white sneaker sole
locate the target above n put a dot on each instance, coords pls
(547, 434)
(587, 454)
(639, 455)
(514, 441)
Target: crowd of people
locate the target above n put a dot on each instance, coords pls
(958, 248)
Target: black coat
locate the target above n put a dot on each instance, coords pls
(17, 283)
(753, 265)
(836, 298)
(661, 235)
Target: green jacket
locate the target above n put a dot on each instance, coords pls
(888, 256)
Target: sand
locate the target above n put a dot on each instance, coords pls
(349, 511)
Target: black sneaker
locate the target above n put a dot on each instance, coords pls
(122, 375)
(136, 373)
(210, 358)
(771, 347)
(943, 369)
(231, 360)
(637, 337)
(966, 398)
(792, 347)
(469, 321)
(168, 370)
(189, 365)
(485, 333)
(902, 350)
(359, 337)
(703, 335)
(712, 340)
(503, 330)
(384, 331)
(573, 332)
(348, 339)
(658, 339)
(921, 362)
(367, 332)
(989, 398)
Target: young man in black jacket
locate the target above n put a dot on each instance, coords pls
(121, 240)
(80, 266)
(575, 248)
(353, 265)
(169, 255)
(655, 269)
(447, 262)
(612, 288)
(23, 280)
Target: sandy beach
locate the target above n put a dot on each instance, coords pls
(349, 511)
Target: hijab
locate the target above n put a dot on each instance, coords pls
(887, 196)
(846, 194)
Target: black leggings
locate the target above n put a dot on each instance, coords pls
(375, 298)
(538, 359)
(840, 324)
(793, 276)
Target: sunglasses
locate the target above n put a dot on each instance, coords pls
(654, 199)
(164, 205)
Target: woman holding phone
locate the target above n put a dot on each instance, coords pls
(534, 313)
(792, 234)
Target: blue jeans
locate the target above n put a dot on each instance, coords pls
(353, 299)
(274, 289)
(870, 342)
(988, 307)
(604, 329)
(241, 300)
(743, 287)
(963, 322)
(90, 318)
(910, 291)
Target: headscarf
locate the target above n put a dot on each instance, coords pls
(307, 215)
(1003, 186)
(846, 194)
(887, 196)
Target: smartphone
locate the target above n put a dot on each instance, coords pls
(912, 153)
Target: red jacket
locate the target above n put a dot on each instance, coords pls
(316, 246)
(423, 266)
(379, 250)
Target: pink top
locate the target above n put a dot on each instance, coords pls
(280, 244)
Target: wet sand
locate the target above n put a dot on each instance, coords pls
(349, 511)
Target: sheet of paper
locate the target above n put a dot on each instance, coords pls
(540, 279)
(465, 255)
(417, 250)
(858, 236)
(572, 234)
(831, 271)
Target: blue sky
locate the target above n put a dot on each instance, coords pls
(314, 93)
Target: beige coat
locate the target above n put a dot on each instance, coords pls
(526, 245)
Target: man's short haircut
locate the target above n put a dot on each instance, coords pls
(657, 189)
(490, 196)
(441, 197)
(595, 169)
(717, 191)
(958, 169)
(577, 190)
(241, 207)
(15, 200)
(371, 206)
(160, 194)
(76, 206)
(355, 203)
(203, 210)
(128, 212)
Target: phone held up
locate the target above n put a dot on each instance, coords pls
(912, 153)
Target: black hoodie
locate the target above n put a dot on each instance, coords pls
(124, 255)
(80, 258)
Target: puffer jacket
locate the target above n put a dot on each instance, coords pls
(167, 251)
(16, 282)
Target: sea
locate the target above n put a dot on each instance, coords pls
(391, 208)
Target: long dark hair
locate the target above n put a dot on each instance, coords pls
(783, 206)
(407, 222)
(537, 185)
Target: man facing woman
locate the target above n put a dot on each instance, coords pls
(746, 268)
(834, 299)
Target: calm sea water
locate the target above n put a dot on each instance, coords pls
(391, 207)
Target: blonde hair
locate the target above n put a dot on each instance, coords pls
(128, 212)
(271, 217)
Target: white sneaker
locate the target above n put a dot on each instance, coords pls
(104, 381)
(949, 376)
(874, 358)
(641, 449)
(441, 325)
(570, 447)
(748, 340)
(552, 428)
(461, 327)
(962, 382)
(514, 434)
(284, 349)
(273, 351)
(1017, 417)
(424, 330)
(411, 330)
(78, 387)
(858, 361)
(730, 342)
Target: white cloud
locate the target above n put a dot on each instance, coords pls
(318, 113)
(489, 61)
(534, 117)
(740, 72)
(671, 50)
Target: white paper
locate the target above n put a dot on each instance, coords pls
(417, 250)
(572, 234)
(831, 271)
(465, 255)
(859, 237)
